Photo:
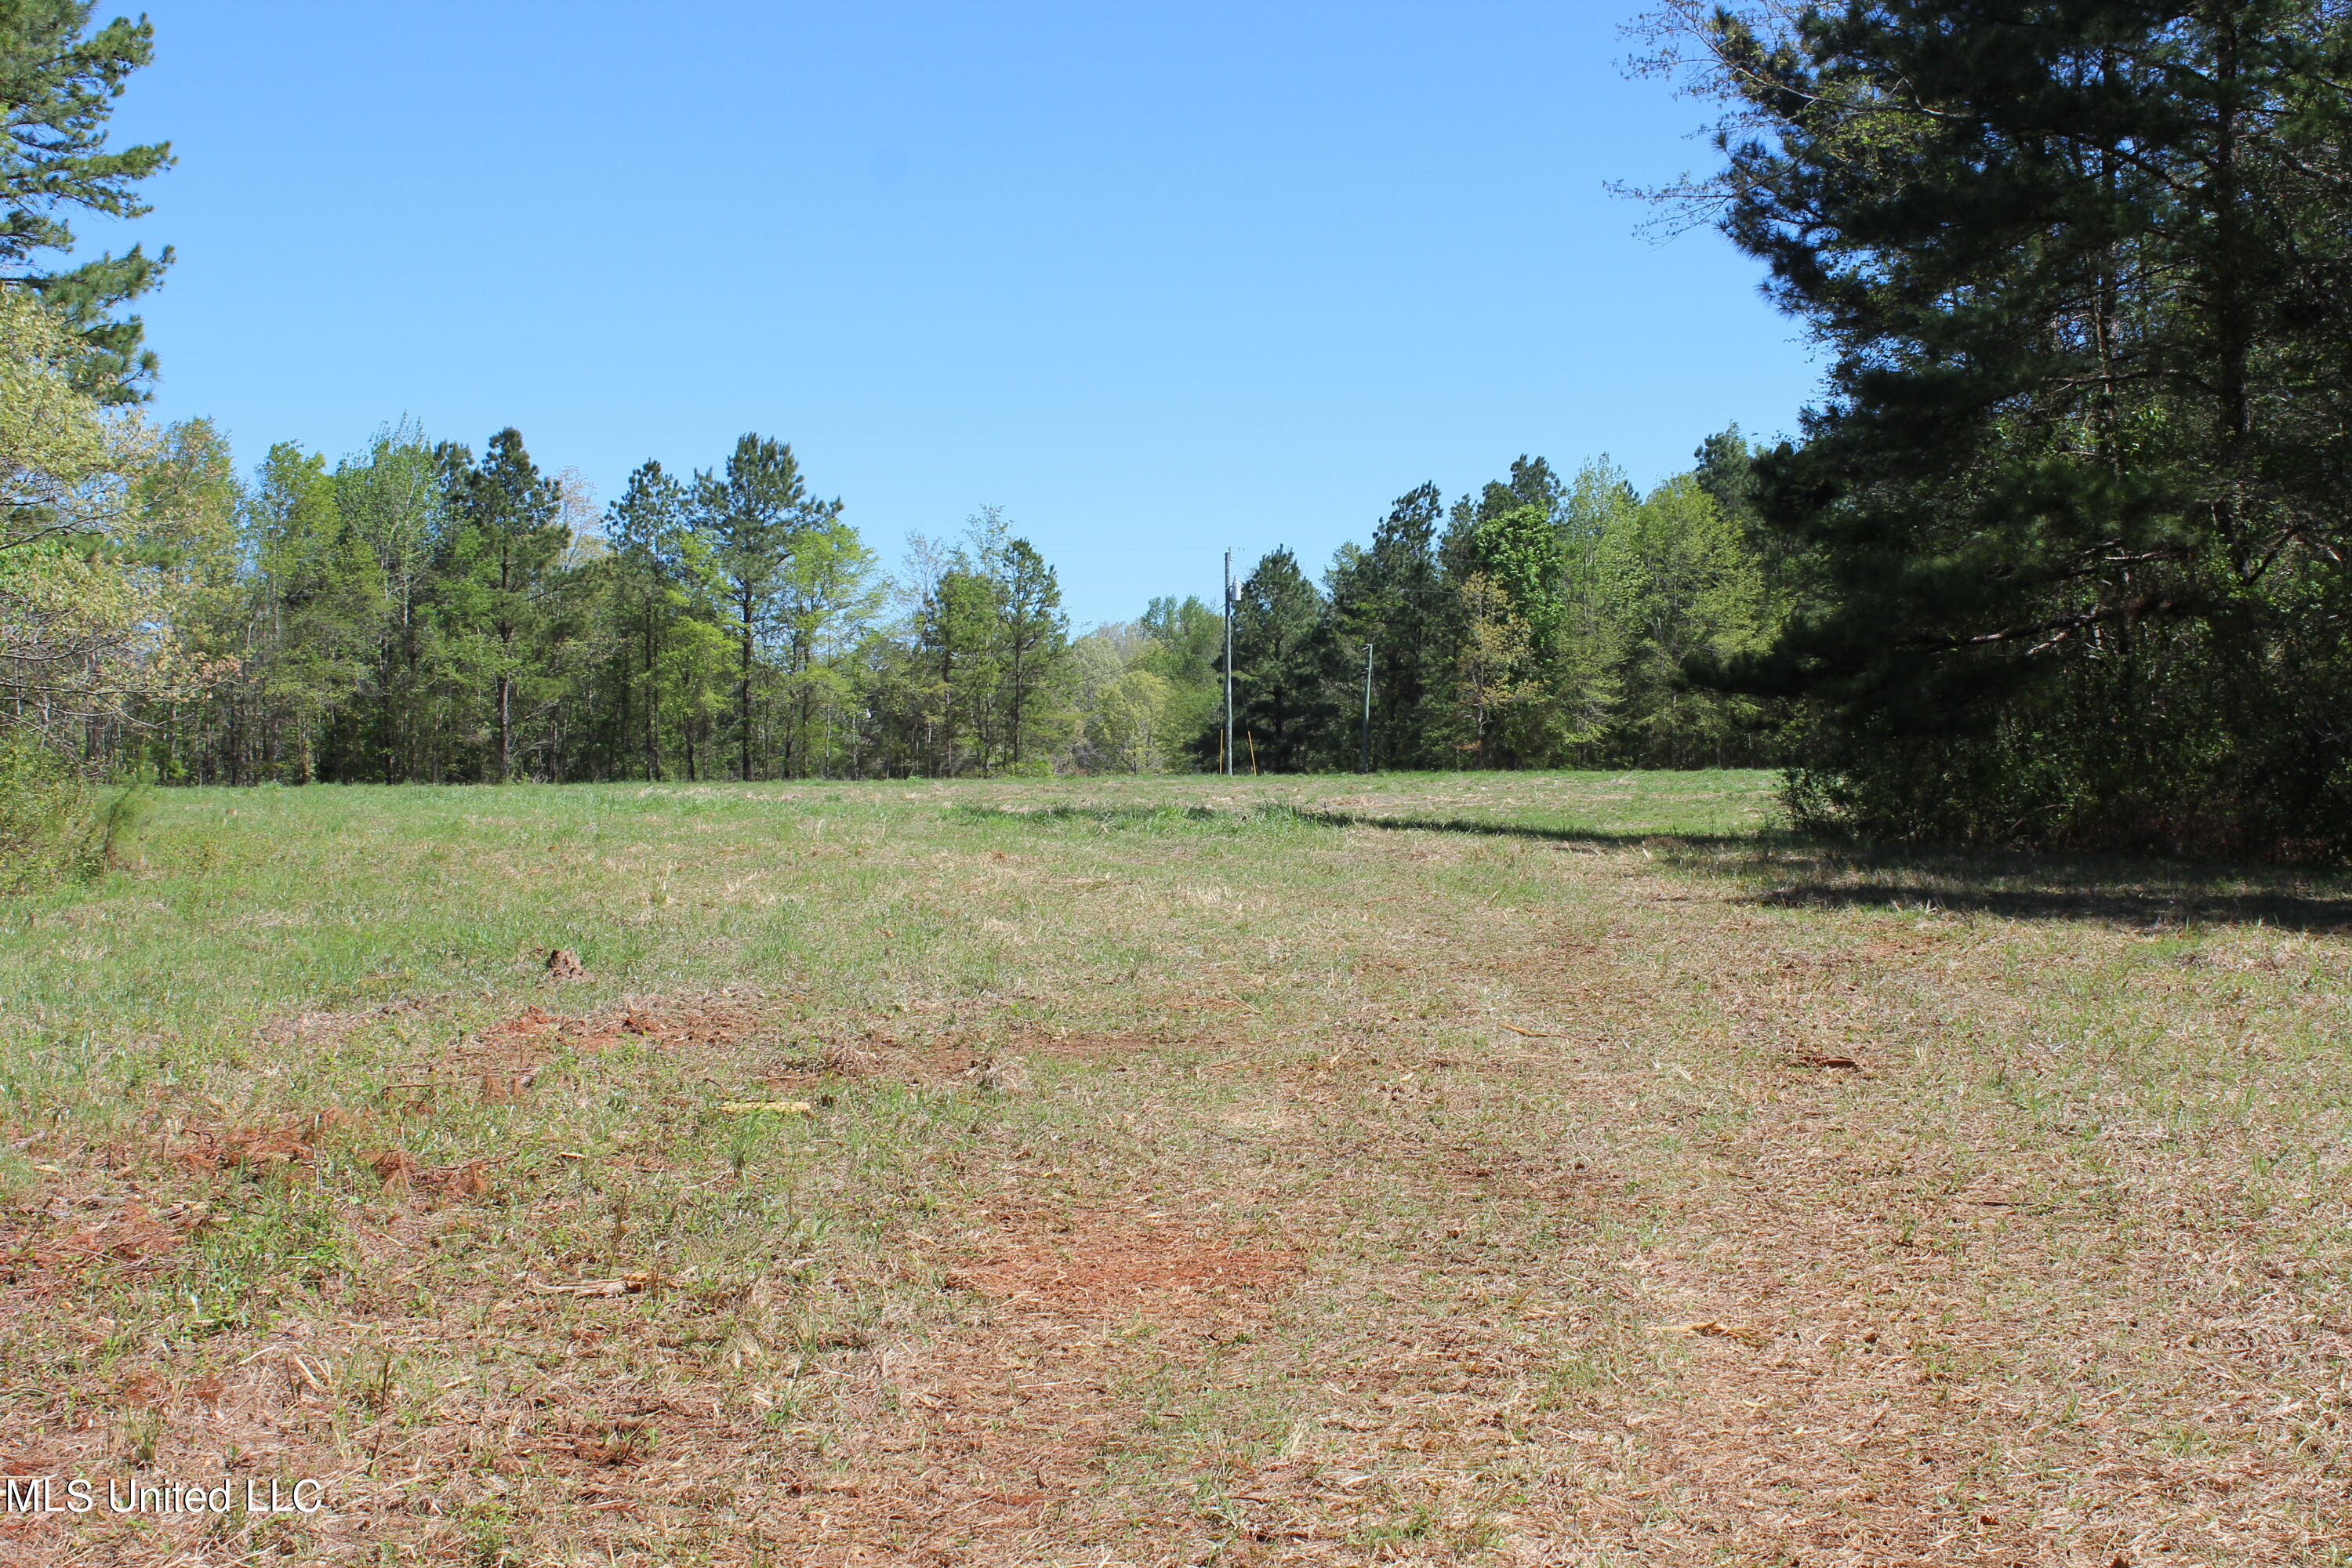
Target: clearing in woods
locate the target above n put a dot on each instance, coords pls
(1512, 1169)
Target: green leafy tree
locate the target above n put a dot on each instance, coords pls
(1726, 470)
(829, 595)
(1519, 578)
(319, 592)
(1683, 589)
(580, 689)
(58, 85)
(1183, 643)
(1128, 725)
(1497, 699)
(990, 651)
(85, 612)
(1517, 554)
(1591, 686)
(891, 731)
(696, 684)
(1532, 490)
(958, 633)
(1182, 640)
(191, 501)
(390, 499)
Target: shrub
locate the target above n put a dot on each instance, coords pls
(50, 828)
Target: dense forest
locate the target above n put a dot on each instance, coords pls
(2061, 558)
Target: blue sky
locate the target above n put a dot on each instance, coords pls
(1157, 278)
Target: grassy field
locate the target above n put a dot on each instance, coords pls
(1512, 1169)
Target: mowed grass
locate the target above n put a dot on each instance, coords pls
(1541, 1168)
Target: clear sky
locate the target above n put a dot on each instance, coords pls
(1157, 278)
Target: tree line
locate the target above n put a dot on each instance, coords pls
(1540, 622)
(416, 612)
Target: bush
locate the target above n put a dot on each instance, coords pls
(51, 831)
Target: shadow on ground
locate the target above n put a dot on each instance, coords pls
(2154, 896)
(1784, 870)
(1600, 837)
(2175, 903)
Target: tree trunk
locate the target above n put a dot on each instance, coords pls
(505, 729)
(653, 745)
(743, 692)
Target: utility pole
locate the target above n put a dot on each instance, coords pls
(1228, 664)
(1366, 766)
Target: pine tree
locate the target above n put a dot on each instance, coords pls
(1036, 641)
(1725, 469)
(56, 89)
(2070, 521)
(501, 555)
(1282, 658)
(754, 516)
(1390, 595)
(645, 526)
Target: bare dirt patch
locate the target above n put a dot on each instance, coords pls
(1096, 1266)
(996, 1440)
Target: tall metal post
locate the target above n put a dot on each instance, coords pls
(1366, 766)
(1228, 664)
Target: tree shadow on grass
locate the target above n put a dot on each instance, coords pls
(1135, 818)
(1786, 870)
(1599, 837)
(2134, 894)
(1282, 815)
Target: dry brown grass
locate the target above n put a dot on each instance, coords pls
(1254, 1194)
